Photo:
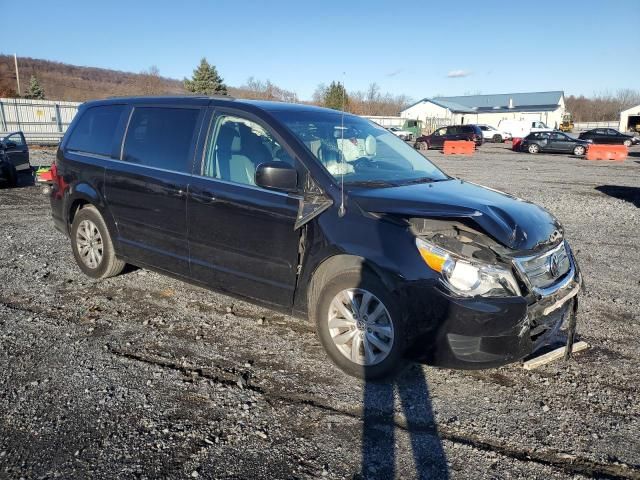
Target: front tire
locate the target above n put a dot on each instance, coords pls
(627, 143)
(11, 175)
(92, 246)
(361, 326)
(534, 148)
(497, 138)
(579, 150)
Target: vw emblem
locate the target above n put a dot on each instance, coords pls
(554, 265)
(556, 235)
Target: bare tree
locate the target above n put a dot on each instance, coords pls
(602, 106)
(264, 90)
(149, 82)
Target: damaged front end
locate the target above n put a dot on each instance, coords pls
(500, 304)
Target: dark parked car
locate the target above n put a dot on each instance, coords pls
(14, 158)
(553, 142)
(319, 214)
(470, 133)
(608, 135)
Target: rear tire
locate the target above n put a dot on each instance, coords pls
(534, 148)
(378, 355)
(92, 246)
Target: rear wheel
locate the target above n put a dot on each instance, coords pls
(534, 148)
(92, 245)
(579, 150)
(497, 138)
(360, 325)
(627, 143)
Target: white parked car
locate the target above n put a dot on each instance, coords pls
(403, 134)
(491, 134)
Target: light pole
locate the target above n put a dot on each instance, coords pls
(15, 58)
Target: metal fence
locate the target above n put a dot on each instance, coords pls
(584, 126)
(41, 121)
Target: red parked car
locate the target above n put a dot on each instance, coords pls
(470, 133)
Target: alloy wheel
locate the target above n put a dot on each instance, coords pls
(360, 326)
(90, 244)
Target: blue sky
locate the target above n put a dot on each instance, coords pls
(408, 47)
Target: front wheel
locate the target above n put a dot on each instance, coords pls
(579, 150)
(361, 326)
(534, 148)
(497, 138)
(92, 245)
(10, 174)
(627, 143)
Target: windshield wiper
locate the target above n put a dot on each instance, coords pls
(370, 183)
(418, 180)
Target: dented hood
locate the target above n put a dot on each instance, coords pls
(515, 223)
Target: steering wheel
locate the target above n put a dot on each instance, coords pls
(367, 162)
(363, 162)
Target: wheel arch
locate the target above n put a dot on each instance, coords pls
(331, 266)
(81, 195)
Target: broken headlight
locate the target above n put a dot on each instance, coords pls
(466, 277)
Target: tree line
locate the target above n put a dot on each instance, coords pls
(602, 106)
(61, 81)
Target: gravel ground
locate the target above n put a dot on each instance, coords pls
(143, 376)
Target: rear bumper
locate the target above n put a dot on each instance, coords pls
(475, 333)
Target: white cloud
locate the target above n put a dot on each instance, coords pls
(458, 73)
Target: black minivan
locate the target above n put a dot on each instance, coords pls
(319, 214)
(470, 133)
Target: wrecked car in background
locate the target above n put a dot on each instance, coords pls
(319, 214)
(14, 158)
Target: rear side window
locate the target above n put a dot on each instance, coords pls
(96, 130)
(161, 137)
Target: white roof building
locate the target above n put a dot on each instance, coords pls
(547, 107)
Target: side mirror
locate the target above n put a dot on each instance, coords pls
(277, 176)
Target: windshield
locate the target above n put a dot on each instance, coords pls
(361, 151)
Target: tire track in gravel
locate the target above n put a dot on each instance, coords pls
(237, 378)
(570, 464)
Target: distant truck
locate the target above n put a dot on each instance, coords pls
(405, 124)
(522, 128)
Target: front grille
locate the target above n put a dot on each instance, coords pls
(547, 268)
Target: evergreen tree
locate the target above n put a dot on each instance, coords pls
(206, 80)
(335, 96)
(35, 89)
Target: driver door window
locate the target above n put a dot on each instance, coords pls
(235, 148)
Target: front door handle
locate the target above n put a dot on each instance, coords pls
(203, 197)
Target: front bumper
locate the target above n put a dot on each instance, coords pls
(474, 333)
